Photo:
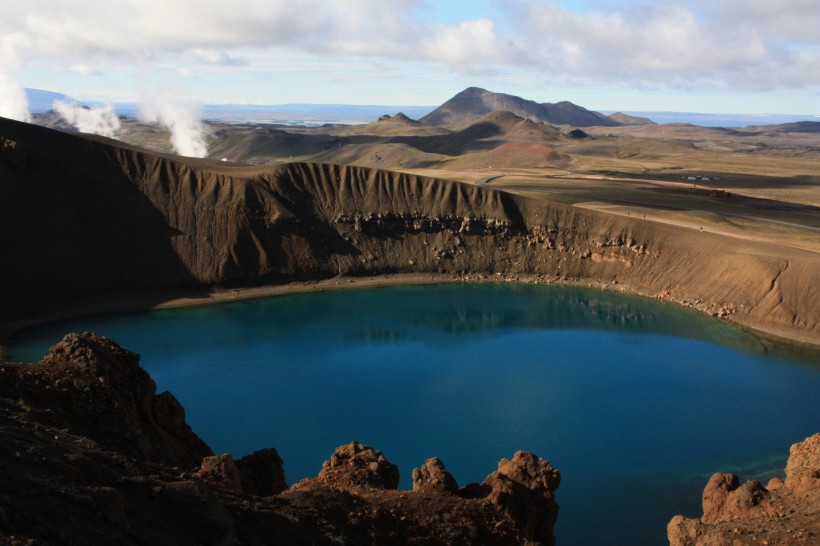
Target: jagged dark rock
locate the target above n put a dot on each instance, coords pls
(96, 388)
(262, 472)
(92, 456)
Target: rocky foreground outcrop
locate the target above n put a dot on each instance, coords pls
(92, 455)
(781, 513)
(85, 220)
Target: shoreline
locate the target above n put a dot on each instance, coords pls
(175, 299)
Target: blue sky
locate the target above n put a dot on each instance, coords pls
(721, 56)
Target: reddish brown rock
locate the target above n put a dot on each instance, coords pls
(525, 486)
(803, 466)
(97, 388)
(530, 471)
(357, 465)
(221, 471)
(432, 476)
(715, 495)
(735, 514)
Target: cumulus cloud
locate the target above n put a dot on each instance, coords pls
(742, 44)
(182, 120)
(471, 47)
(209, 32)
(733, 44)
(99, 120)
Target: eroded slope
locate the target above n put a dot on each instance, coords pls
(83, 218)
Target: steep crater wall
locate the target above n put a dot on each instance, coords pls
(84, 218)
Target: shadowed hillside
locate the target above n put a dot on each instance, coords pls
(84, 217)
(261, 144)
(489, 131)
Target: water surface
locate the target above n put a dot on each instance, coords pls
(636, 402)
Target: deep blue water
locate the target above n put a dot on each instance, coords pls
(636, 402)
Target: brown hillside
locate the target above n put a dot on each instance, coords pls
(488, 132)
(398, 125)
(380, 155)
(86, 217)
(512, 155)
(626, 119)
(260, 144)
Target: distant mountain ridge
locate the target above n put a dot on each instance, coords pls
(41, 101)
(626, 119)
(473, 103)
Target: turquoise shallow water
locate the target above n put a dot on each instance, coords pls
(637, 403)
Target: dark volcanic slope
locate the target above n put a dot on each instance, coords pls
(82, 218)
(259, 144)
(473, 103)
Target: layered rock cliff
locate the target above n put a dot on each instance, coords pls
(83, 217)
(92, 455)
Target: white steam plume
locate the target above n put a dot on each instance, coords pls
(187, 132)
(13, 99)
(100, 120)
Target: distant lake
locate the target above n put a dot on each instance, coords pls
(636, 402)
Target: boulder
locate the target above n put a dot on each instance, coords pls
(803, 466)
(524, 486)
(357, 465)
(262, 473)
(221, 471)
(434, 478)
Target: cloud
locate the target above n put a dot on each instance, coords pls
(182, 120)
(727, 44)
(99, 120)
(740, 44)
(471, 47)
(209, 56)
(84, 70)
(210, 32)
